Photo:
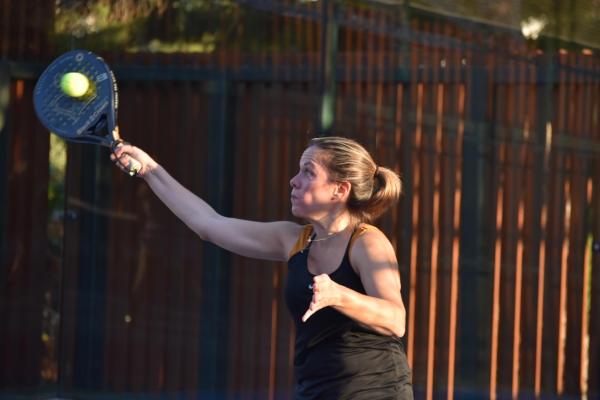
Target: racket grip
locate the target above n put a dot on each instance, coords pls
(133, 167)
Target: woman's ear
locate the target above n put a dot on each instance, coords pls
(342, 190)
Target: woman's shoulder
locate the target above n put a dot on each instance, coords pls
(368, 239)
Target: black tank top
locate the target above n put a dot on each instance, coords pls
(336, 357)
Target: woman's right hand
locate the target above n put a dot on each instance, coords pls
(123, 155)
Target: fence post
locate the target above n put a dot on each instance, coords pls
(4, 157)
(94, 189)
(5, 247)
(474, 335)
(214, 327)
(329, 65)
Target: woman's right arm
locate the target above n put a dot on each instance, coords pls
(263, 240)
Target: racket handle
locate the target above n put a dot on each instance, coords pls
(133, 167)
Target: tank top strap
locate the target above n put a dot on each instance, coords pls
(358, 232)
(302, 240)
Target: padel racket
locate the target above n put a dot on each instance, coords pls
(76, 97)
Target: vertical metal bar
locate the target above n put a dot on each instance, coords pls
(4, 157)
(5, 140)
(475, 285)
(89, 355)
(329, 46)
(214, 326)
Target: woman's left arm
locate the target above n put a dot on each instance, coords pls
(381, 308)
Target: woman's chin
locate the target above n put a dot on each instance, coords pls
(296, 212)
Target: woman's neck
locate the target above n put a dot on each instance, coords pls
(332, 225)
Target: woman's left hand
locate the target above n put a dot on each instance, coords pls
(325, 293)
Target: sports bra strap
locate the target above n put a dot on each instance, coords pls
(302, 240)
(360, 230)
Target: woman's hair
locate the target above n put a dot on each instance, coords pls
(374, 188)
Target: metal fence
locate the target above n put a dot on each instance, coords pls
(104, 293)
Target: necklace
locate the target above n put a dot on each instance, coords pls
(310, 239)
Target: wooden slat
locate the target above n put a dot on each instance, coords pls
(434, 132)
(448, 101)
(594, 297)
(530, 244)
(454, 289)
(578, 244)
(241, 155)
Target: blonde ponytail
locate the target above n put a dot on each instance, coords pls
(386, 192)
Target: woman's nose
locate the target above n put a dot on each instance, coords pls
(293, 181)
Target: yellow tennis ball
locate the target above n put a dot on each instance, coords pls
(74, 84)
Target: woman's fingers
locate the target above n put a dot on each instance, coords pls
(124, 148)
(125, 162)
(309, 312)
(324, 294)
(131, 159)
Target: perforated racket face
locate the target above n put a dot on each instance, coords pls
(90, 118)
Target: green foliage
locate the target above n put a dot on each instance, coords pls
(205, 26)
(57, 160)
(568, 20)
(152, 25)
(57, 164)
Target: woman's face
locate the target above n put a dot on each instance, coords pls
(312, 192)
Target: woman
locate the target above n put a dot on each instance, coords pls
(343, 285)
